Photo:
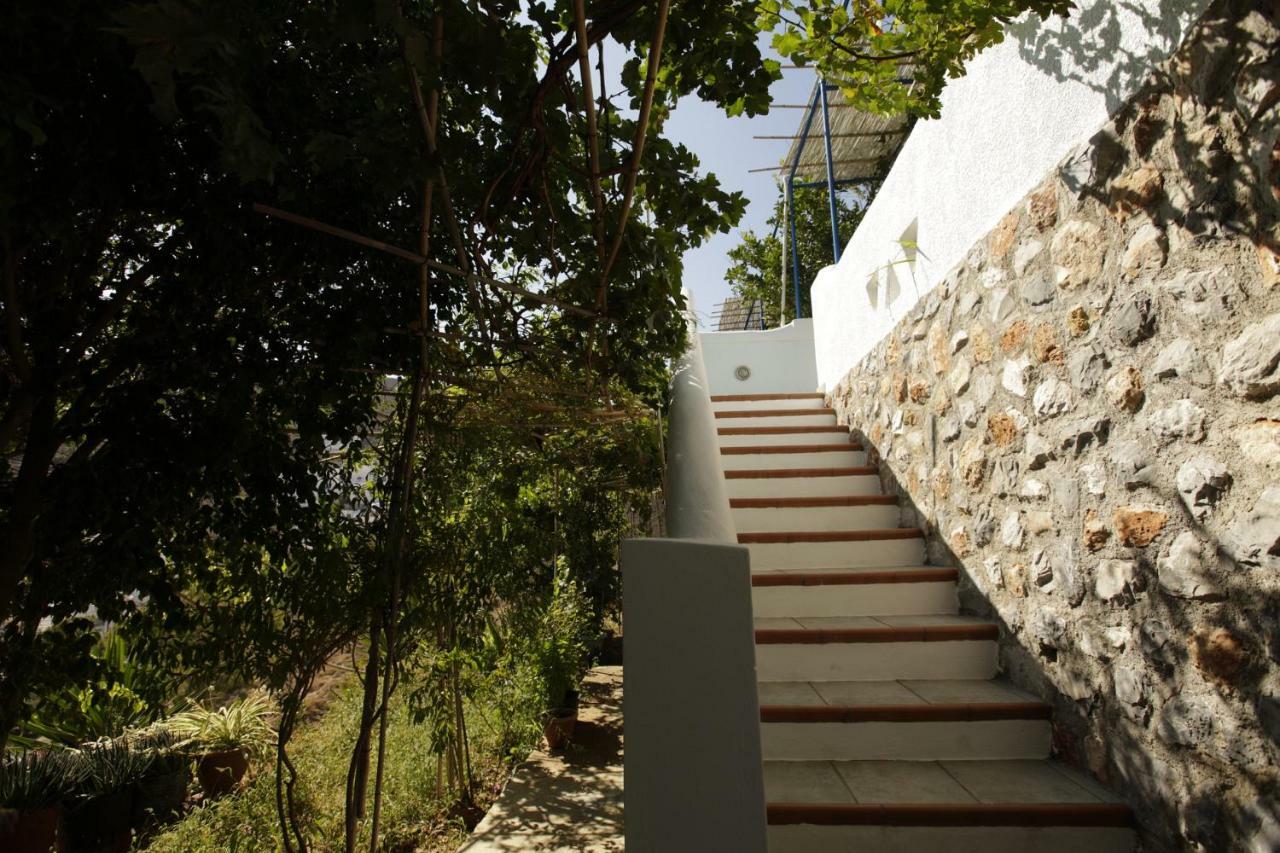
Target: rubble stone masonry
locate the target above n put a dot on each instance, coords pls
(1085, 416)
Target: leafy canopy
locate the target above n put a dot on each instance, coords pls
(893, 56)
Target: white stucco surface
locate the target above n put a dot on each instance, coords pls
(780, 360)
(1021, 107)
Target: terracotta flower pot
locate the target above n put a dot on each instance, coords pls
(220, 772)
(33, 832)
(558, 729)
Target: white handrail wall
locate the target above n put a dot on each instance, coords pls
(693, 775)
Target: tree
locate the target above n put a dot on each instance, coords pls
(893, 56)
(756, 271)
(179, 372)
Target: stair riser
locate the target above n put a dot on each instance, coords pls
(776, 461)
(873, 599)
(914, 741)
(780, 518)
(766, 405)
(888, 553)
(980, 839)
(876, 661)
(764, 420)
(803, 487)
(775, 439)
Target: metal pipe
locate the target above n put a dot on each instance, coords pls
(795, 254)
(840, 182)
(795, 164)
(831, 174)
(782, 294)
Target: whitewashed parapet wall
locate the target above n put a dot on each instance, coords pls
(1084, 416)
(767, 361)
(1018, 110)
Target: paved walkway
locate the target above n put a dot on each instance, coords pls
(570, 801)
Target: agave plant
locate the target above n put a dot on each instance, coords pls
(112, 764)
(238, 725)
(30, 781)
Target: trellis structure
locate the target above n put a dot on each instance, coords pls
(857, 148)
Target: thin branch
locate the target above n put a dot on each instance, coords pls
(593, 138)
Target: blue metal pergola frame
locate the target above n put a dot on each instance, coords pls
(818, 102)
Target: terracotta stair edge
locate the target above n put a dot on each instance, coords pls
(940, 575)
(765, 449)
(774, 413)
(776, 473)
(831, 500)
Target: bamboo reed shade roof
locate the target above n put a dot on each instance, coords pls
(863, 145)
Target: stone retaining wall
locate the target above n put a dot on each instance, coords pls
(1085, 416)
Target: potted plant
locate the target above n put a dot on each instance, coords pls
(226, 739)
(561, 654)
(32, 787)
(100, 815)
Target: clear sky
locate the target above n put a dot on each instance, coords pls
(726, 149)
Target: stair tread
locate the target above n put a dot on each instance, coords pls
(768, 395)
(970, 784)
(867, 534)
(866, 629)
(900, 692)
(824, 623)
(835, 570)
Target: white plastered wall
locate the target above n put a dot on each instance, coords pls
(777, 360)
(1021, 107)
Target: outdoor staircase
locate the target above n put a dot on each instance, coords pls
(883, 724)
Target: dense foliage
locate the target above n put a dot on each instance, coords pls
(893, 56)
(409, 413)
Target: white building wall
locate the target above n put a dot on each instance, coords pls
(1020, 108)
(777, 360)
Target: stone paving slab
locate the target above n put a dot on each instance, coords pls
(569, 801)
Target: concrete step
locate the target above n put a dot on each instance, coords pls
(802, 483)
(797, 518)
(885, 648)
(778, 395)
(747, 436)
(968, 806)
(766, 402)
(834, 549)
(789, 417)
(888, 720)
(786, 456)
(858, 592)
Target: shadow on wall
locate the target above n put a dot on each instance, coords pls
(1083, 417)
(1197, 77)
(1075, 48)
(1102, 735)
